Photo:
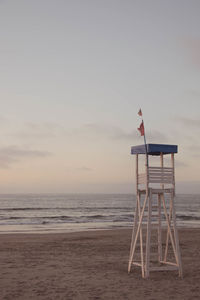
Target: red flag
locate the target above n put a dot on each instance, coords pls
(140, 112)
(141, 129)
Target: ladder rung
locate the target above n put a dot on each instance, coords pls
(136, 264)
(164, 268)
(169, 263)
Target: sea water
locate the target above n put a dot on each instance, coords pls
(77, 212)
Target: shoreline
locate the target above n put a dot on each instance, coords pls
(66, 228)
(90, 265)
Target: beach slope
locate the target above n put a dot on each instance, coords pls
(90, 265)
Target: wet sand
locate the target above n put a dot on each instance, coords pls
(90, 265)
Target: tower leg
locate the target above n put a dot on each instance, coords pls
(167, 237)
(169, 228)
(159, 230)
(133, 233)
(141, 242)
(176, 235)
(148, 237)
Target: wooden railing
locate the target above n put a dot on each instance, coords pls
(160, 175)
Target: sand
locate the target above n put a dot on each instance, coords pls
(90, 265)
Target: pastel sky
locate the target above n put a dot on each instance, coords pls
(73, 75)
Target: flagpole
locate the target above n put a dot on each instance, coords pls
(141, 115)
(145, 143)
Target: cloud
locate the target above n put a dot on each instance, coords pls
(188, 122)
(188, 187)
(89, 131)
(193, 95)
(180, 163)
(98, 130)
(156, 136)
(12, 154)
(192, 46)
(39, 131)
(84, 169)
(119, 134)
(115, 133)
(4, 123)
(2, 119)
(194, 148)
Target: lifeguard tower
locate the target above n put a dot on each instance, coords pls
(155, 243)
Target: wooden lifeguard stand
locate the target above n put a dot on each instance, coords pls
(155, 213)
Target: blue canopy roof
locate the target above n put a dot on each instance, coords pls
(154, 149)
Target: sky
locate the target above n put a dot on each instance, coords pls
(73, 75)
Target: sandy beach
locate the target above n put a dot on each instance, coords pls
(90, 265)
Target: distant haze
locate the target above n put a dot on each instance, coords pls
(73, 76)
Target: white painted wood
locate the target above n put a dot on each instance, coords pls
(136, 172)
(167, 237)
(133, 235)
(160, 168)
(141, 242)
(148, 237)
(169, 228)
(138, 229)
(165, 178)
(136, 264)
(135, 218)
(173, 167)
(147, 175)
(176, 239)
(164, 181)
(164, 268)
(161, 191)
(159, 209)
(159, 229)
(169, 263)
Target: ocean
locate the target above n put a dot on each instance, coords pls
(77, 212)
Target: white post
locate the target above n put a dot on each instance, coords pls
(135, 216)
(148, 237)
(174, 220)
(159, 230)
(159, 216)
